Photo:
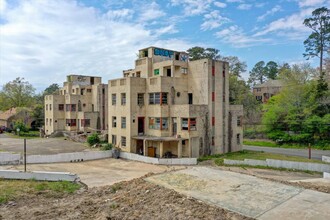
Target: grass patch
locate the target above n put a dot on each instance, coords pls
(13, 189)
(269, 143)
(27, 135)
(257, 155)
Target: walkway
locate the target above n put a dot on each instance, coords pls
(316, 154)
(247, 195)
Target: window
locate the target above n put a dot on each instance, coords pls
(113, 98)
(184, 70)
(259, 98)
(85, 122)
(50, 122)
(140, 99)
(50, 107)
(79, 106)
(258, 89)
(123, 122)
(71, 122)
(213, 121)
(123, 99)
(238, 121)
(154, 123)
(89, 90)
(123, 141)
(114, 121)
(69, 107)
(154, 98)
(138, 74)
(164, 98)
(46, 121)
(156, 71)
(61, 107)
(213, 96)
(213, 70)
(212, 141)
(238, 138)
(192, 124)
(164, 123)
(190, 98)
(114, 139)
(188, 124)
(46, 107)
(184, 124)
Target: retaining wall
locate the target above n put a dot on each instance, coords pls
(7, 158)
(326, 159)
(161, 161)
(38, 175)
(318, 167)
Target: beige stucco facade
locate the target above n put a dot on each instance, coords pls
(80, 106)
(263, 92)
(168, 106)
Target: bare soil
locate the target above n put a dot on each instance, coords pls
(134, 199)
(297, 179)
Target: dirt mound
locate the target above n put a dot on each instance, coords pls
(135, 199)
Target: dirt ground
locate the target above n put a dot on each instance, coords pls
(134, 199)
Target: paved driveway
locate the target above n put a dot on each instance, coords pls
(40, 145)
(100, 172)
(248, 195)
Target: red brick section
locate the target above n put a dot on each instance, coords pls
(213, 70)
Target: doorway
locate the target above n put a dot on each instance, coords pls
(140, 125)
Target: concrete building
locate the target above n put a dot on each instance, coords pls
(263, 92)
(80, 106)
(8, 118)
(168, 106)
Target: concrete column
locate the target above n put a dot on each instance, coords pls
(179, 149)
(189, 148)
(145, 148)
(161, 149)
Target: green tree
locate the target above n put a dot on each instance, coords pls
(197, 53)
(319, 40)
(52, 89)
(236, 67)
(271, 70)
(17, 93)
(258, 73)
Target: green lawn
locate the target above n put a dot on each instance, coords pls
(26, 135)
(12, 189)
(269, 143)
(246, 154)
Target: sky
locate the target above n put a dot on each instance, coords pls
(45, 40)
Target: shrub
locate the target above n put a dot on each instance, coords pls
(93, 139)
(106, 146)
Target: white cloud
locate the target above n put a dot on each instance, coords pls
(292, 26)
(43, 41)
(170, 29)
(234, 1)
(270, 12)
(237, 38)
(244, 6)
(220, 4)
(193, 7)
(213, 20)
(120, 14)
(3, 5)
(150, 12)
(311, 3)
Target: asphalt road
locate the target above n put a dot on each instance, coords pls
(316, 154)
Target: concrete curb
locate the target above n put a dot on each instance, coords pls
(39, 175)
(161, 161)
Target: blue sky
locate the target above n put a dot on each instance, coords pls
(45, 40)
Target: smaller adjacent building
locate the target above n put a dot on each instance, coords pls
(263, 92)
(8, 118)
(80, 106)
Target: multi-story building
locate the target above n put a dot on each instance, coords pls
(80, 106)
(263, 92)
(168, 106)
